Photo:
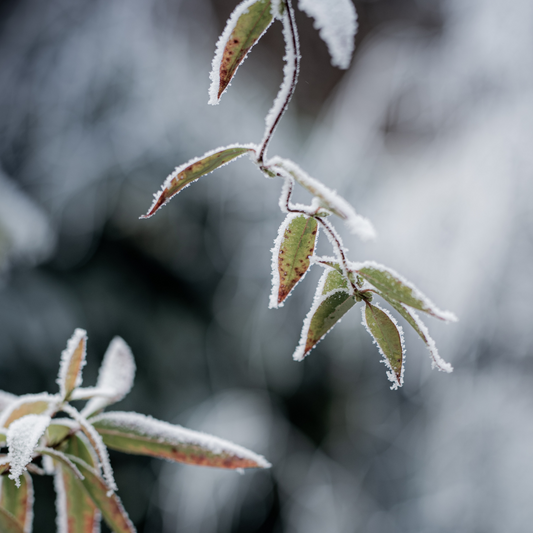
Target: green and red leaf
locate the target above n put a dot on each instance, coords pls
(18, 501)
(30, 404)
(72, 362)
(8, 523)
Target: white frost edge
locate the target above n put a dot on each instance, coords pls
(390, 372)
(168, 180)
(50, 452)
(356, 224)
(273, 302)
(79, 335)
(29, 398)
(86, 393)
(447, 316)
(98, 445)
(436, 360)
(336, 22)
(214, 76)
(290, 69)
(28, 519)
(174, 434)
(22, 438)
(6, 399)
(299, 353)
(115, 376)
(61, 502)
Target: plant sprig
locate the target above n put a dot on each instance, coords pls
(343, 283)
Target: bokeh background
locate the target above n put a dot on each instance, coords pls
(429, 134)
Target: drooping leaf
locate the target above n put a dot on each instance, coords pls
(107, 502)
(8, 523)
(28, 404)
(18, 500)
(290, 256)
(389, 338)
(115, 377)
(144, 435)
(396, 287)
(72, 362)
(414, 321)
(184, 175)
(244, 28)
(22, 439)
(327, 310)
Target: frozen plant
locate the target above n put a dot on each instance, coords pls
(344, 283)
(73, 448)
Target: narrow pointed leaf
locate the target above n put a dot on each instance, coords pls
(396, 287)
(244, 28)
(76, 511)
(296, 242)
(144, 435)
(8, 523)
(108, 503)
(115, 377)
(22, 439)
(389, 338)
(18, 501)
(414, 321)
(184, 175)
(29, 404)
(72, 362)
(326, 311)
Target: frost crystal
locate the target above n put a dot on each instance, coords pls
(47, 403)
(171, 434)
(22, 439)
(336, 21)
(6, 398)
(115, 378)
(79, 336)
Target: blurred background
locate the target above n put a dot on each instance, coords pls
(428, 134)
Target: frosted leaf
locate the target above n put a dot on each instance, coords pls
(245, 26)
(387, 335)
(98, 445)
(62, 458)
(18, 501)
(115, 377)
(72, 363)
(329, 199)
(395, 286)
(6, 398)
(136, 433)
(86, 393)
(336, 21)
(22, 439)
(29, 404)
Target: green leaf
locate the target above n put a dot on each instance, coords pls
(395, 287)
(8, 523)
(72, 362)
(334, 280)
(143, 435)
(291, 257)
(193, 170)
(108, 502)
(388, 337)
(31, 404)
(250, 26)
(18, 501)
(76, 511)
(60, 457)
(325, 313)
(79, 446)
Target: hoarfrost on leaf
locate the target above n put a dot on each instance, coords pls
(336, 21)
(72, 363)
(22, 439)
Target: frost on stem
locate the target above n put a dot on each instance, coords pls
(336, 21)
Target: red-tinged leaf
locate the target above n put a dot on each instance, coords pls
(8, 523)
(389, 338)
(325, 313)
(76, 511)
(72, 362)
(396, 287)
(18, 501)
(193, 170)
(107, 502)
(143, 435)
(290, 256)
(244, 28)
(31, 404)
(4, 464)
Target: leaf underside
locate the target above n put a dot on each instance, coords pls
(328, 313)
(193, 172)
(297, 246)
(249, 28)
(387, 337)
